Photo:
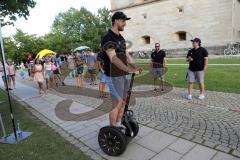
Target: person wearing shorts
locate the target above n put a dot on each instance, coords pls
(158, 63)
(56, 73)
(198, 61)
(48, 74)
(102, 76)
(91, 63)
(117, 66)
(79, 62)
(11, 75)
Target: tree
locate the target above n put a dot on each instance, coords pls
(27, 44)
(9, 9)
(80, 27)
(69, 30)
(10, 48)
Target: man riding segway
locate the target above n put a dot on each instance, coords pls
(118, 65)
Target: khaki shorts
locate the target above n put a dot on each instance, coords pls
(195, 76)
(158, 72)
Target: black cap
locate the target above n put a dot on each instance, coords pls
(196, 40)
(119, 15)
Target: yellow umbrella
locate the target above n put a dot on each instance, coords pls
(45, 52)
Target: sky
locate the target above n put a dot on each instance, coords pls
(43, 14)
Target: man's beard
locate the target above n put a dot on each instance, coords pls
(121, 28)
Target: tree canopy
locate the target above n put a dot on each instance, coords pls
(70, 29)
(10, 9)
(79, 27)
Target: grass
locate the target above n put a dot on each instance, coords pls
(230, 60)
(217, 78)
(44, 144)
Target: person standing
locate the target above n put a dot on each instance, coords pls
(12, 75)
(4, 77)
(91, 64)
(70, 63)
(22, 66)
(58, 62)
(198, 62)
(56, 73)
(102, 77)
(117, 66)
(38, 72)
(30, 65)
(158, 64)
(48, 74)
(80, 60)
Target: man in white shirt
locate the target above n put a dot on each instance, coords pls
(4, 78)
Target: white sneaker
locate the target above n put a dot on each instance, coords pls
(189, 97)
(201, 96)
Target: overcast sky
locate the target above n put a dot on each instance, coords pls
(42, 16)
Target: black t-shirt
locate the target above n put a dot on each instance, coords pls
(100, 57)
(157, 58)
(198, 56)
(117, 42)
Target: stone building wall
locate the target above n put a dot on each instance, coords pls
(236, 21)
(161, 20)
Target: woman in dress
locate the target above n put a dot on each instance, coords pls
(38, 71)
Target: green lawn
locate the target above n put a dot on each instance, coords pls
(44, 144)
(230, 60)
(217, 78)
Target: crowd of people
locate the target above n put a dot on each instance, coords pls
(42, 71)
(93, 62)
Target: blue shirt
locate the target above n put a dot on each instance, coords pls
(91, 60)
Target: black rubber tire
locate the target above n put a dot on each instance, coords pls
(112, 141)
(135, 128)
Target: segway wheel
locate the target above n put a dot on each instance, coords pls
(135, 128)
(112, 141)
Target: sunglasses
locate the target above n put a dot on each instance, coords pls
(157, 46)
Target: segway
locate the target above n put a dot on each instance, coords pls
(112, 140)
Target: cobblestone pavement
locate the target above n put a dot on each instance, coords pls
(208, 122)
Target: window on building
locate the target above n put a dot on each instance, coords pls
(146, 39)
(182, 35)
(180, 9)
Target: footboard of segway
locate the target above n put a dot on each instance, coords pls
(112, 141)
